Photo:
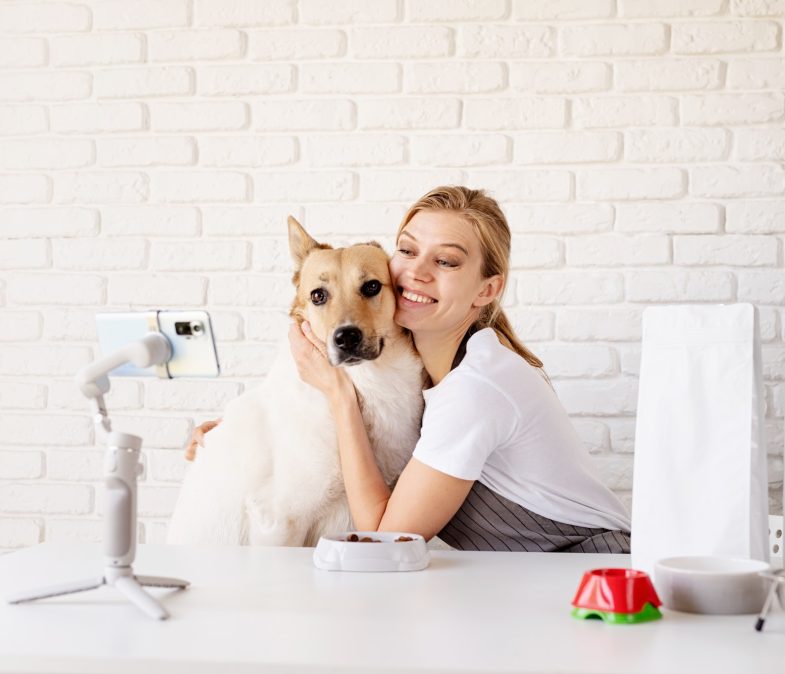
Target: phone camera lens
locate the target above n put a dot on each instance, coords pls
(182, 328)
(196, 328)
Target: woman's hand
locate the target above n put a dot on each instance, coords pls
(197, 438)
(310, 356)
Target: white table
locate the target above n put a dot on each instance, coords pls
(271, 610)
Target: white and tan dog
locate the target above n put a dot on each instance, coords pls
(270, 473)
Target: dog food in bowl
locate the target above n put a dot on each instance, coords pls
(354, 538)
(394, 551)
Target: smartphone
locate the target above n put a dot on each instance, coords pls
(189, 332)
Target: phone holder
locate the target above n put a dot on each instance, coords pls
(121, 469)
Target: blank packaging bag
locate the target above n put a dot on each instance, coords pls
(700, 483)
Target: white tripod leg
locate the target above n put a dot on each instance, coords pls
(122, 467)
(162, 581)
(55, 590)
(136, 594)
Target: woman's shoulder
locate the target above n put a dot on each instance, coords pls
(470, 398)
(480, 377)
(499, 367)
(487, 353)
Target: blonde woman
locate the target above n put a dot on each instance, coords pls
(498, 465)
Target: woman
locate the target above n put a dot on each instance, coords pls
(498, 465)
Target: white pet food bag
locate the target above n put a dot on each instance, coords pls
(700, 483)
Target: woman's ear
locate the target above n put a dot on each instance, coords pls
(491, 289)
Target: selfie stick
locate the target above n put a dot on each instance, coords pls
(121, 468)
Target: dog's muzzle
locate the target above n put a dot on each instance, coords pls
(350, 346)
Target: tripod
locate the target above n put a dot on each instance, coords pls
(121, 469)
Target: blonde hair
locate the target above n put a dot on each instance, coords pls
(485, 216)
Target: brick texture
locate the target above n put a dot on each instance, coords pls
(151, 151)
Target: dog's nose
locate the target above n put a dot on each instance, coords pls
(348, 338)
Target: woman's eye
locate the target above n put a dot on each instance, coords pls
(405, 252)
(446, 263)
(371, 288)
(319, 296)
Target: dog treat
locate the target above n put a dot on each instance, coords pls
(354, 538)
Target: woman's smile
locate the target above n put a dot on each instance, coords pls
(408, 297)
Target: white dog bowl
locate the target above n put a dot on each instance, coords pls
(338, 553)
(711, 584)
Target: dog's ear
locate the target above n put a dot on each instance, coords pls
(300, 242)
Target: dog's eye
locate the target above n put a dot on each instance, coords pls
(319, 296)
(371, 288)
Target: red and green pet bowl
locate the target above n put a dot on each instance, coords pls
(617, 596)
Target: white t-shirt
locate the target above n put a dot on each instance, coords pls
(495, 419)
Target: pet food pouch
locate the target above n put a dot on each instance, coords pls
(700, 481)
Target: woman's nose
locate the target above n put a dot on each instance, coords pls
(419, 269)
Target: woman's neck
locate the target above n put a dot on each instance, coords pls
(438, 349)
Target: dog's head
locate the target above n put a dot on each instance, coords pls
(344, 293)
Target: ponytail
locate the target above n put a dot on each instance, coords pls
(494, 317)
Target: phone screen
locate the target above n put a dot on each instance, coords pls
(193, 347)
(189, 332)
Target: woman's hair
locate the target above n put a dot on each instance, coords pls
(485, 216)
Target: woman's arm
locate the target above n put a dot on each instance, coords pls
(365, 487)
(424, 499)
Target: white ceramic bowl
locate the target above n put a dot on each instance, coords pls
(711, 584)
(336, 553)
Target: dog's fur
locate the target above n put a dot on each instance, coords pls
(270, 473)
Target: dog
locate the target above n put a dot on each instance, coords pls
(270, 473)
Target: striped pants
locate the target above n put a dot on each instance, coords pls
(488, 521)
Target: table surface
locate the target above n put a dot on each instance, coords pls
(270, 609)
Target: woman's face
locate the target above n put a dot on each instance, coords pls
(436, 273)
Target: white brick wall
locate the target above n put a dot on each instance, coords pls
(150, 151)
